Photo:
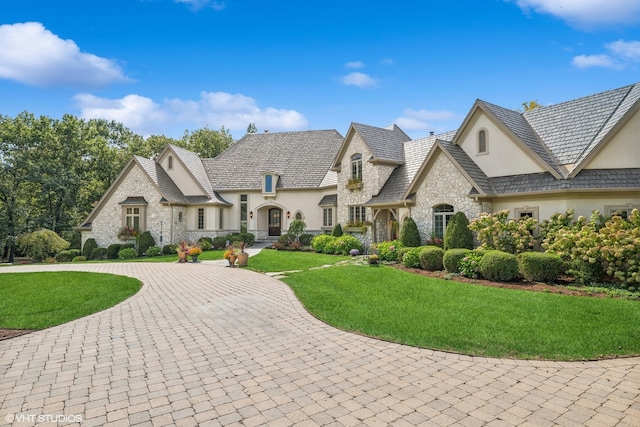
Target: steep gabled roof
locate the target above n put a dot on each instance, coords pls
(301, 159)
(572, 130)
(194, 166)
(386, 144)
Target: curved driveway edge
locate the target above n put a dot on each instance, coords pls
(202, 344)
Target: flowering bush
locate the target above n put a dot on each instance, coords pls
(320, 241)
(469, 266)
(387, 251)
(195, 250)
(354, 252)
(498, 232)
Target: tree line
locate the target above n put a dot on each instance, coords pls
(53, 171)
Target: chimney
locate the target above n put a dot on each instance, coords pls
(431, 133)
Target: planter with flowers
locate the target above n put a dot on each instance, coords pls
(230, 256)
(194, 252)
(243, 257)
(373, 259)
(127, 233)
(182, 250)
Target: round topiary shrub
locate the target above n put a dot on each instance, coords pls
(112, 250)
(337, 230)
(400, 253)
(89, 245)
(99, 253)
(153, 251)
(169, 249)
(451, 259)
(499, 266)
(539, 267)
(458, 234)
(431, 258)
(411, 259)
(409, 234)
(127, 246)
(145, 241)
(128, 253)
(68, 255)
(219, 242)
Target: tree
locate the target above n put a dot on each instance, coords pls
(207, 143)
(252, 128)
(409, 234)
(458, 235)
(531, 105)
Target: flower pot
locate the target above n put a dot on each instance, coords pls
(232, 260)
(194, 258)
(243, 259)
(182, 256)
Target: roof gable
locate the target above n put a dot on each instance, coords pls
(386, 144)
(192, 165)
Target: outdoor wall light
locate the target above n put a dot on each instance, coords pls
(288, 215)
(251, 214)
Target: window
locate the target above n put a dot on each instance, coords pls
(356, 167)
(357, 214)
(482, 142)
(170, 163)
(622, 211)
(269, 183)
(528, 212)
(243, 212)
(220, 219)
(200, 218)
(180, 216)
(327, 217)
(441, 216)
(299, 216)
(132, 218)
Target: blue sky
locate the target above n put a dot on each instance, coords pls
(164, 66)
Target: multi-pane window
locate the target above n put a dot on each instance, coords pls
(244, 210)
(200, 218)
(132, 218)
(622, 211)
(357, 214)
(327, 217)
(356, 167)
(441, 216)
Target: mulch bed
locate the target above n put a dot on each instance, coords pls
(5, 334)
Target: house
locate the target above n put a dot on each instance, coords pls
(582, 154)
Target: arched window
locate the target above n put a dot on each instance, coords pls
(356, 167)
(441, 216)
(483, 146)
(170, 163)
(299, 215)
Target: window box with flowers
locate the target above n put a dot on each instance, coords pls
(356, 226)
(127, 233)
(354, 184)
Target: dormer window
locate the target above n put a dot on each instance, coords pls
(483, 143)
(170, 163)
(269, 182)
(356, 167)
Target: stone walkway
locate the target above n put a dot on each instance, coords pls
(202, 344)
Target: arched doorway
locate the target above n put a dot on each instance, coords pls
(275, 222)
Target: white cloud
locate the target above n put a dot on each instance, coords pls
(620, 55)
(360, 80)
(354, 64)
(31, 54)
(586, 13)
(412, 120)
(201, 4)
(214, 110)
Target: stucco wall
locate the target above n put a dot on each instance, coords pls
(623, 151)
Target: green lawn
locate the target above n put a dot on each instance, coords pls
(42, 300)
(268, 260)
(470, 319)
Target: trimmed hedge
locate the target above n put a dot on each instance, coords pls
(337, 230)
(99, 253)
(112, 250)
(499, 266)
(458, 235)
(89, 245)
(451, 259)
(431, 258)
(128, 253)
(153, 251)
(170, 249)
(219, 242)
(409, 234)
(145, 241)
(411, 258)
(68, 255)
(401, 251)
(539, 267)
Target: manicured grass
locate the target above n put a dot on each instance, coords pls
(470, 319)
(42, 300)
(269, 260)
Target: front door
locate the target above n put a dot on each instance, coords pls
(275, 222)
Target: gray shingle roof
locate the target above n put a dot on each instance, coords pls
(302, 160)
(329, 200)
(586, 179)
(469, 166)
(194, 164)
(169, 190)
(386, 144)
(571, 129)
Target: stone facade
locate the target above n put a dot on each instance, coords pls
(443, 184)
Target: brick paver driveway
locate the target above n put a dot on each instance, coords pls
(202, 344)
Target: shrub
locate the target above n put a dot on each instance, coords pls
(431, 258)
(128, 253)
(337, 230)
(498, 232)
(74, 237)
(400, 253)
(411, 258)
(409, 234)
(388, 251)
(247, 238)
(469, 266)
(345, 243)
(79, 258)
(99, 253)
(170, 249)
(319, 242)
(145, 241)
(305, 239)
(458, 234)
(499, 266)
(127, 246)
(286, 239)
(620, 250)
(68, 255)
(539, 267)
(89, 245)
(112, 250)
(451, 259)
(41, 244)
(153, 251)
(296, 228)
(206, 239)
(218, 242)
(205, 245)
